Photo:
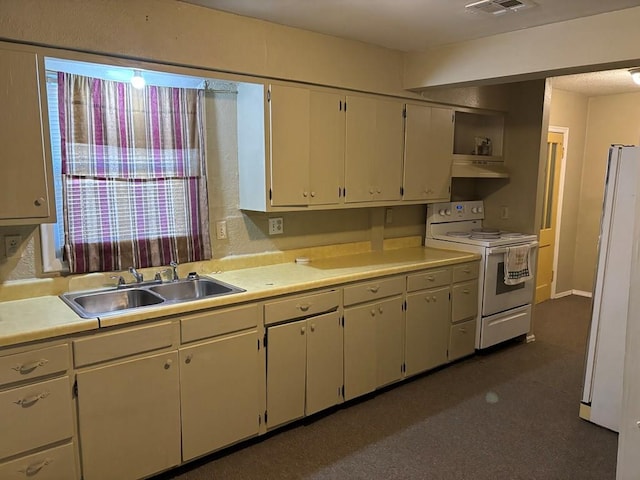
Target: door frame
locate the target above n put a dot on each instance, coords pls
(563, 163)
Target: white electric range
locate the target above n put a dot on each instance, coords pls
(504, 311)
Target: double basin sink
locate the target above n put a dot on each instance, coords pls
(133, 296)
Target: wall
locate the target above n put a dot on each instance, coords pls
(569, 109)
(560, 48)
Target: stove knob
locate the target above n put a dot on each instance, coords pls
(474, 209)
(448, 212)
(479, 209)
(442, 212)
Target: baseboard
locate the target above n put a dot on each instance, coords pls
(585, 411)
(581, 293)
(563, 294)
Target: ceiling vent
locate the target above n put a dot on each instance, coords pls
(498, 7)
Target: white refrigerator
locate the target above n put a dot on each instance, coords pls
(602, 393)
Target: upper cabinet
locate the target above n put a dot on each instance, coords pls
(373, 153)
(427, 153)
(26, 188)
(307, 146)
(477, 144)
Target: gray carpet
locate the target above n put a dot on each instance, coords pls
(509, 414)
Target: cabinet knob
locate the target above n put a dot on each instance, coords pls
(313, 327)
(371, 191)
(379, 190)
(38, 202)
(189, 358)
(305, 193)
(380, 310)
(167, 364)
(428, 299)
(373, 312)
(302, 330)
(434, 298)
(313, 194)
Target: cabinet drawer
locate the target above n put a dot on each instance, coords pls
(35, 415)
(462, 339)
(53, 464)
(34, 364)
(367, 291)
(219, 322)
(464, 301)
(130, 341)
(428, 279)
(468, 271)
(302, 306)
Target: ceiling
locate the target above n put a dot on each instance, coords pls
(417, 25)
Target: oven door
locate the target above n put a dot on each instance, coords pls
(498, 296)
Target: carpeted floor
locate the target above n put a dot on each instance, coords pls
(508, 414)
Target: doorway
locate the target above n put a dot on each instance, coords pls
(550, 222)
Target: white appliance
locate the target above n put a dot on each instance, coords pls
(606, 345)
(504, 311)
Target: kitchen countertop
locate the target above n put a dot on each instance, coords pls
(47, 316)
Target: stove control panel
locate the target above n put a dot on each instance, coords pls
(455, 211)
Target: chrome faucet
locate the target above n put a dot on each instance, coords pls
(174, 267)
(137, 276)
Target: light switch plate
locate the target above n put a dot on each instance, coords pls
(221, 230)
(276, 226)
(11, 244)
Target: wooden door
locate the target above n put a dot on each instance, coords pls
(427, 154)
(219, 393)
(326, 154)
(129, 418)
(428, 328)
(289, 109)
(359, 351)
(389, 341)
(286, 372)
(544, 275)
(24, 186)
(324, 362)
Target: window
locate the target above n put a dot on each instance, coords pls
(130, 171)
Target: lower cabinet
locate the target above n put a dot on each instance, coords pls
(219, 393)
(373, 336)
(464, 310)
(304, 367)
(427, 334)
(129, 418)
(56, 463)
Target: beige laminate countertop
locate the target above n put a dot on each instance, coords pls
(47, 316)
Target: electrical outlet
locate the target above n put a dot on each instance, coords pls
(221, 230)
(276, 226)
(388, 215)
(11, 244)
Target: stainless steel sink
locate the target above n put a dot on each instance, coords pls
(134, 296)
(116, 300)
(193, 289)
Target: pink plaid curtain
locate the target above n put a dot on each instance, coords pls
(134, 174)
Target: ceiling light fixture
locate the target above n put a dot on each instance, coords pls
(635, 75)
(137, 81)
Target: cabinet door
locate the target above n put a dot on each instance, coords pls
(286, 372)
(129, 418)
(389, 341)
(462, 339)
(464, 300)
(219, 393)
(427, 154)
(289, 109)
(326, 155)
(24, 186)
(360, 371)
(373, 152)
(427, 330)
(324, 362)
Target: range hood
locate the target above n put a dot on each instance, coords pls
(478, 169)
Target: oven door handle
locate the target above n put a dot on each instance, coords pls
(499, 250)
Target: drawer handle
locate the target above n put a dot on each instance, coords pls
(304, 307)
(466, 270)
(374, 289)
(36, 467)
(463, 330)
(26, 368)
(28, 401)
(431, 278)
(466, 291)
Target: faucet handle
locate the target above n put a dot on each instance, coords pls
(119, 278)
